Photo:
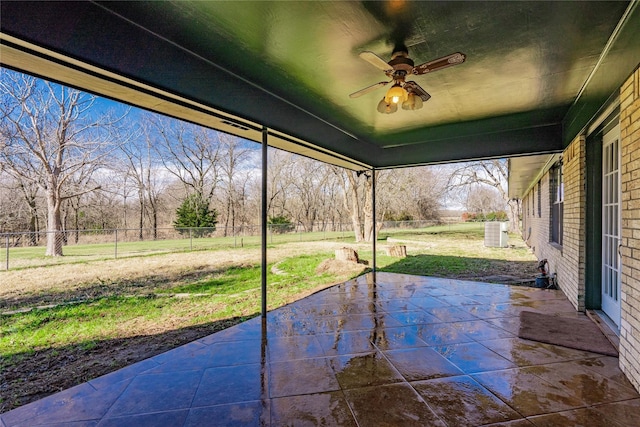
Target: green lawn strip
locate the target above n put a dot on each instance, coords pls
(234, 293)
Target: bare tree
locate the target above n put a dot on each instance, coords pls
(279, 180)
(358, 202)
(50, 138)
(493, 173)
(143, 169)
(234, 154)
(191, 153)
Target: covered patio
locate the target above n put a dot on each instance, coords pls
(382, 349)
(379, 350)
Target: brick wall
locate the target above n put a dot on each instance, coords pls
(566, 261)
(630, 290)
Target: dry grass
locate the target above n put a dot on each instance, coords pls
(73, 278)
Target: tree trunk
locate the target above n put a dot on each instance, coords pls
(367, 210)
(514, 215)
(355, 206)
(54, 224)
(76, 221)
(141, 220)
(33, 241)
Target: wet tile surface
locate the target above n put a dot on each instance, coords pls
(391, 405)
(397, 350)
(326, 409)
(462, 401)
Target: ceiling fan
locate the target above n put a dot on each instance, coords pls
(405, 92)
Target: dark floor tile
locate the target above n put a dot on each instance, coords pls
(509, 324)
(349, 342)
(249, 330)
(79, 403)
(395, 305)
(481, 330)
(527, 353)
(290, 328)
(473, 357)
(515, 423)
(183, 352)
(439, 334)
(492, 311)
(302, 376)
(231, 384)
(287, 313)
(428, 302)
(395, 338)
(390, 405)
(458, 300)
(123, 374)
(462, 401)
(364, 370)
(290, 348)
(353, 322)
(588, 386)
(217, 354)
(626, 413)
(91, 423)
(585, 417)
(324, 409)
(246, 414)
(336, 309)
(165, 419)
(608, 367)
(527, 393)
(450, 314)
(157, 392)
(415, 317)
(421, 364)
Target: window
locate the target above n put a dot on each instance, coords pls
(539, 199)
(557, 203)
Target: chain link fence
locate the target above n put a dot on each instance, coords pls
(28, 249)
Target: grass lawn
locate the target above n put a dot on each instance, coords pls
(112, 313)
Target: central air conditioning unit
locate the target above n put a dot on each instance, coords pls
(496, 234)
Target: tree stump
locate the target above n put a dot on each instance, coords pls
(398, 251)
(347, 254)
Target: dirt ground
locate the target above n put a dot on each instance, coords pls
(52, 370)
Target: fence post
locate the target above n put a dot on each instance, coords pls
(7, 240)
(190, 238)
(116, 245)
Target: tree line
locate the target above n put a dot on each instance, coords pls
(68, 162)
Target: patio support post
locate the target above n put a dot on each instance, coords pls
(374, 236)
(263, 222)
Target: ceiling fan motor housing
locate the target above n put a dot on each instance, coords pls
(401, 62)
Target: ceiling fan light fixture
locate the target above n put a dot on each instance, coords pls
(413, 102)
(396, 94)
(385, 107)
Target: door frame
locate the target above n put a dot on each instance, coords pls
(615, 136)
(593, 215)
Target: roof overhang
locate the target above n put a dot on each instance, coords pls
(536, 73)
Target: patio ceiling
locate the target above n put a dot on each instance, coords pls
(535, 74)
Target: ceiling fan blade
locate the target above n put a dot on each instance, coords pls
(376, 61)
(414, 87)
(440, 63)
(368, 89)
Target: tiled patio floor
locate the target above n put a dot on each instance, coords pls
(404, 351)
